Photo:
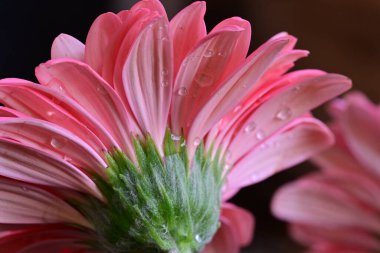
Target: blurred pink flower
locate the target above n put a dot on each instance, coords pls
(337, 209)
(138, 73)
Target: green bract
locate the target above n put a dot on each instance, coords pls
(159, 205)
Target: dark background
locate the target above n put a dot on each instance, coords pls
(342, 35)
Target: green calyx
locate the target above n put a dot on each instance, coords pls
(160, 204)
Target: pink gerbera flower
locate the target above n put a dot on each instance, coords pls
(337, 209)
(134, 141)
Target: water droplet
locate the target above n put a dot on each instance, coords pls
(50, 113)
(222, 54)
(204, 79)
(57, 143)
(209, 53)
(183, 143)
(164, 83)
(101, 89)
(182, 91)
(250, 127)
(260, 134)
(67, 159)
(197, 141)
(164, 72)
(198, 238)
(237, 108)
(55, 84)
(284, 113)
(175, 137)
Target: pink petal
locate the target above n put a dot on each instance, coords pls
(31, 165)
(23, 239)
(147, 78)
(187, 29)
(20, 203)
(225, 239)
(8, 112)
(295, 143)
(285, 105)
(242, 221)
(360, 124)
(40, 102)
(66, 46)
(152, 5)
(205, 67)
(52, 139)
(98, 39)
(234, 89)
(314, 201)
(349, 237)
(83, 85)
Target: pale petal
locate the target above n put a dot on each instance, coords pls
(314, 201)
(241, 220)
(43, 103)
(98, 39)
(34, 166)
(83, 85)
(203, 70)
(147, 78)
(187, 28)
(225, 239)
(283, 106)
(66, 46)
(20, 203)
(291, 145)
(349, 237)
(52, 139)
(360, 124)
(234, 89)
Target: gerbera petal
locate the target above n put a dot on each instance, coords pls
(242, 220)
(225, 239)
(234, 89)
(101, 33)
(25, 239)
(20, 203)
(187, 29)
(284, 106)
(201, 72)
(52, 139)
(360, 123)
(293, 144)
(31, 165)
(43, 103)
(66, 46)
(314, 201)
(152, 5)
(147, 78)
(87, 88)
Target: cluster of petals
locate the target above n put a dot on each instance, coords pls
(140, 73)
(337, 209)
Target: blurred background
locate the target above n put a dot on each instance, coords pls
(343, 36)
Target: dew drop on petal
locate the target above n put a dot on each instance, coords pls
(101, 90)
(284, 114)
(182, 91)
(222, 54)
(183, 143)
(57, 143)
(198, 238)
(237, 108)
(209, 53)
(250, 127)
(50, 113)
(204, 79)
(175, 137)
(260, 134)
(164, 83)
(197, 141)
(164, 72)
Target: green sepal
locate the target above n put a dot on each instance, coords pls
(163, 203)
